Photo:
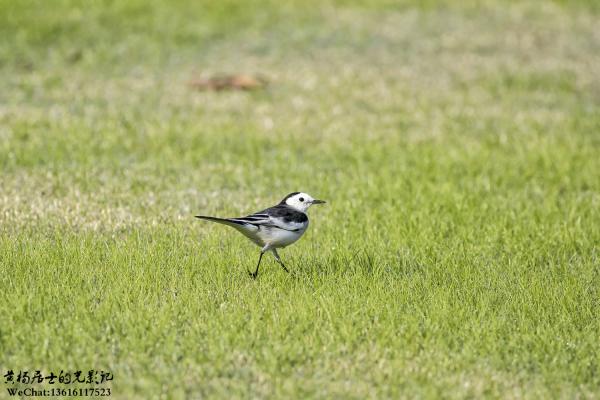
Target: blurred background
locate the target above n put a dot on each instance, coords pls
(104, 100)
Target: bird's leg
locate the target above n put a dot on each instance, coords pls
(255, 274)
(279, 260)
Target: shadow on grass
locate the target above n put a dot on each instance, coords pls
(360, 263)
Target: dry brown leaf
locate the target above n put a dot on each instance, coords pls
(229, 82)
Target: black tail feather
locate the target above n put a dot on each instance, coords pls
(225, 221)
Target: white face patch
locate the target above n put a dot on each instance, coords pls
(300, 201)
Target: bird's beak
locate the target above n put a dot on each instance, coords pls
(319, 202)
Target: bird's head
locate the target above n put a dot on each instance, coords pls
(300, 201)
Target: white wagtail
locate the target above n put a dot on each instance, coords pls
(275, 227)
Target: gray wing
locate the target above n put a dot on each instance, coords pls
(276, 217)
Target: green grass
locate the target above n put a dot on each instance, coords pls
(457, 145)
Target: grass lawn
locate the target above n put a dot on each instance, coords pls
(457, 145)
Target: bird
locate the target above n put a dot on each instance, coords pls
(274, 227)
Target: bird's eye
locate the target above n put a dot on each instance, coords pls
(301, 199)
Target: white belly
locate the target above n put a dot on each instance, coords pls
(277, 238)
(272, 237)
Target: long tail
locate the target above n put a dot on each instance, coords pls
(224, 221)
